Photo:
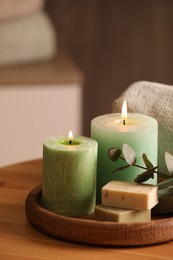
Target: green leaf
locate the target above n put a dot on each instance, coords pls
(169, 163)
(121, 168)
(114, 154)
(145, 175)
(129, 154)
(148, 164)
(165, 192)
(165, 184)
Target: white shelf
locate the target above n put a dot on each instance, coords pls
(33, 108)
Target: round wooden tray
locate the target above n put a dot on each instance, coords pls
(95, 232)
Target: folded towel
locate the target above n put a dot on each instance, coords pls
(26, 39)
(13, 8)
(155, 100)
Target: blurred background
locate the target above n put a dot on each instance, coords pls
(115, 43)
(63, 62)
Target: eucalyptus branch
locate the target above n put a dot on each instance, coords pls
(165, 192)
(130, 157)
(165, 184)
(145, 168)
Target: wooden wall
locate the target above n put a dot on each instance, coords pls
(115, 43)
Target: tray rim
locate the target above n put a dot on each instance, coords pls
(95, 232)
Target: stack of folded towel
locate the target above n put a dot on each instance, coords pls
(156, 100)
(26, 32)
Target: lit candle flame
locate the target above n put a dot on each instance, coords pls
(70, 136)
(124, 112)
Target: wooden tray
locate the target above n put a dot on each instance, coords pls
(94, 232)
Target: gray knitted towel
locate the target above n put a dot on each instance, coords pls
(27, 39)
(155, 100)
(15, 8)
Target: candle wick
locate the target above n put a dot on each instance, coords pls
(124, 121)
(70, 142)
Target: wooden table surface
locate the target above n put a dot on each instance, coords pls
(19, 240)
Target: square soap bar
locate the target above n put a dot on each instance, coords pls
(105, 213)
(129, 195)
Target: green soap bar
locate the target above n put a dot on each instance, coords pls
(121, 215)
(69, 175)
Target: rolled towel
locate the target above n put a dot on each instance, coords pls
(27, 39)
(155, 100)
(14, 8)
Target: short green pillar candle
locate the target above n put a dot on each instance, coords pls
(69, 175)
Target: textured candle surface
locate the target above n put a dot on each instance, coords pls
(121, 215)
(129, 195)
(140, 132)
(69, 175)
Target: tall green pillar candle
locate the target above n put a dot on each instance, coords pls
(139, 131)
(69, 175)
